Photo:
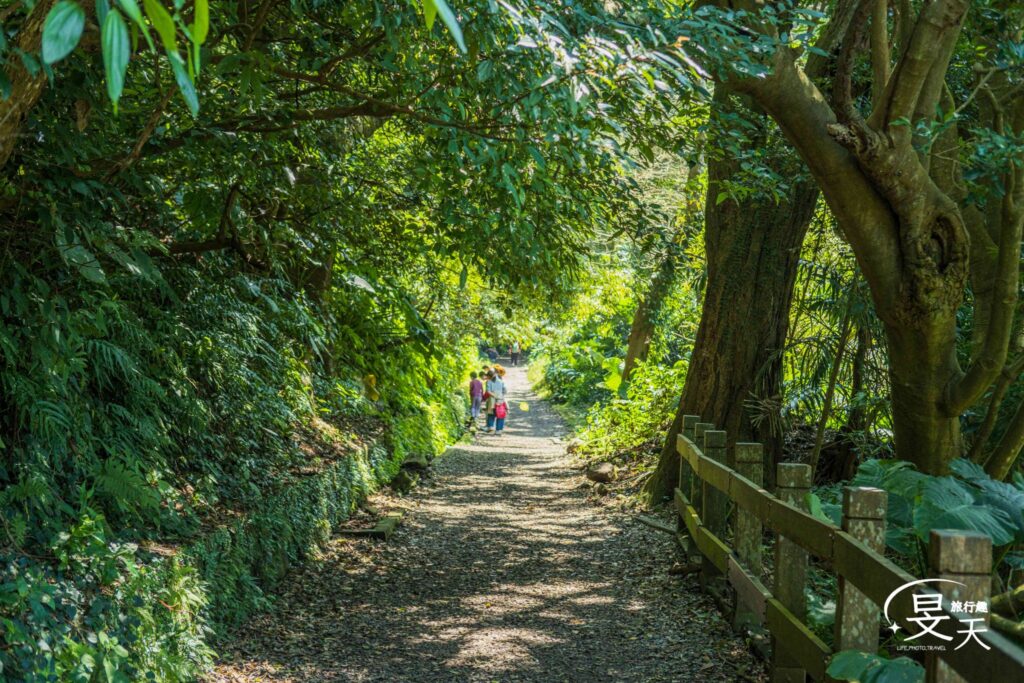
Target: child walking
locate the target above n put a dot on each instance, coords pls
(497, 409)
(476, 395)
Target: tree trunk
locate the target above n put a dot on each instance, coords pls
(734, 374)
(26, 88)
(642, 329)
(922, 365)
(857, 419)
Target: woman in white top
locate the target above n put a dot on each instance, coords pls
(497, 409)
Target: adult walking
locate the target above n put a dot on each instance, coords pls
(514, 349)
(497, 408)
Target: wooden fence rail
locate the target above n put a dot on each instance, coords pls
(721, 494)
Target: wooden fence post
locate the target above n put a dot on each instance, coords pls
(714, 503)
(750, 464)
(966, 557)
(696, 484)
(685, 471)
(793, 482)
(749, 533)
(857, 619)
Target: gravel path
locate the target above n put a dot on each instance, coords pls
(501, 571)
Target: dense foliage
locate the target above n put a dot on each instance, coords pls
(247, 250)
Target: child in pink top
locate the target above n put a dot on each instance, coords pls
(476, 394)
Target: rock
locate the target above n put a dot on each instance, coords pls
(603, 472)
(404, 481)
(600, 489)
(681, 569)
(416, 461)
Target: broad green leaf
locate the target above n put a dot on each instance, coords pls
(131, 9)
(185, 84)
(201, 27)
(62, 30)
(102, 8)
(84, 261)
(429, 13)
(431, 8)
(863, 667)
(116, 52)
(613, 373)
(163, 23)
(947, 503)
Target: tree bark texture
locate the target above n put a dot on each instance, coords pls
(734, 374)
(26, 88)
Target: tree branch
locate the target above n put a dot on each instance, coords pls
(1006, 452)
(865, 218)
(881, 66)
(928, 53)
(995, 346)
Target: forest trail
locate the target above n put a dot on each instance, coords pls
(501, 571)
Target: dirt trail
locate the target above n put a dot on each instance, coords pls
(501, 571)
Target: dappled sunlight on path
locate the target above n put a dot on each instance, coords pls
(501, 571)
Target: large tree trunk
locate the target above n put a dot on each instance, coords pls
(922, 364)
(734, 374)
(642, 330)
(26, 88)
(901, 208)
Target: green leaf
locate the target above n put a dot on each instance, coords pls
(826, 512)
(116, 52)
(848, 665)
(201, 27)
(163, 23)
(102, 8)
(862, 667)
(85, 262)
(431, 8)
(131, 8)
(613, 373)
(947, 503)
(62, 30)
(429, 13)
(185, 84)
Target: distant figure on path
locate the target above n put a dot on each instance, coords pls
(476, 395)
(497, 409)
(514, 349)
(492, 353)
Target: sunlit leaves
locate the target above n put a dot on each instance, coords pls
(201, 25)
(131, 9)
(433, 8)
(162, 22)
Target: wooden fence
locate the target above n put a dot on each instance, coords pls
(721, 497)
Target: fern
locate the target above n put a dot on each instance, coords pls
(125, 487)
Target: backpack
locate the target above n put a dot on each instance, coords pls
(500, 411)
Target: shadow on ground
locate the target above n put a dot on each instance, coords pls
(502, 572)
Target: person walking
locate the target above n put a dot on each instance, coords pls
(514, 349)
(497, 408)
(476, 395)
